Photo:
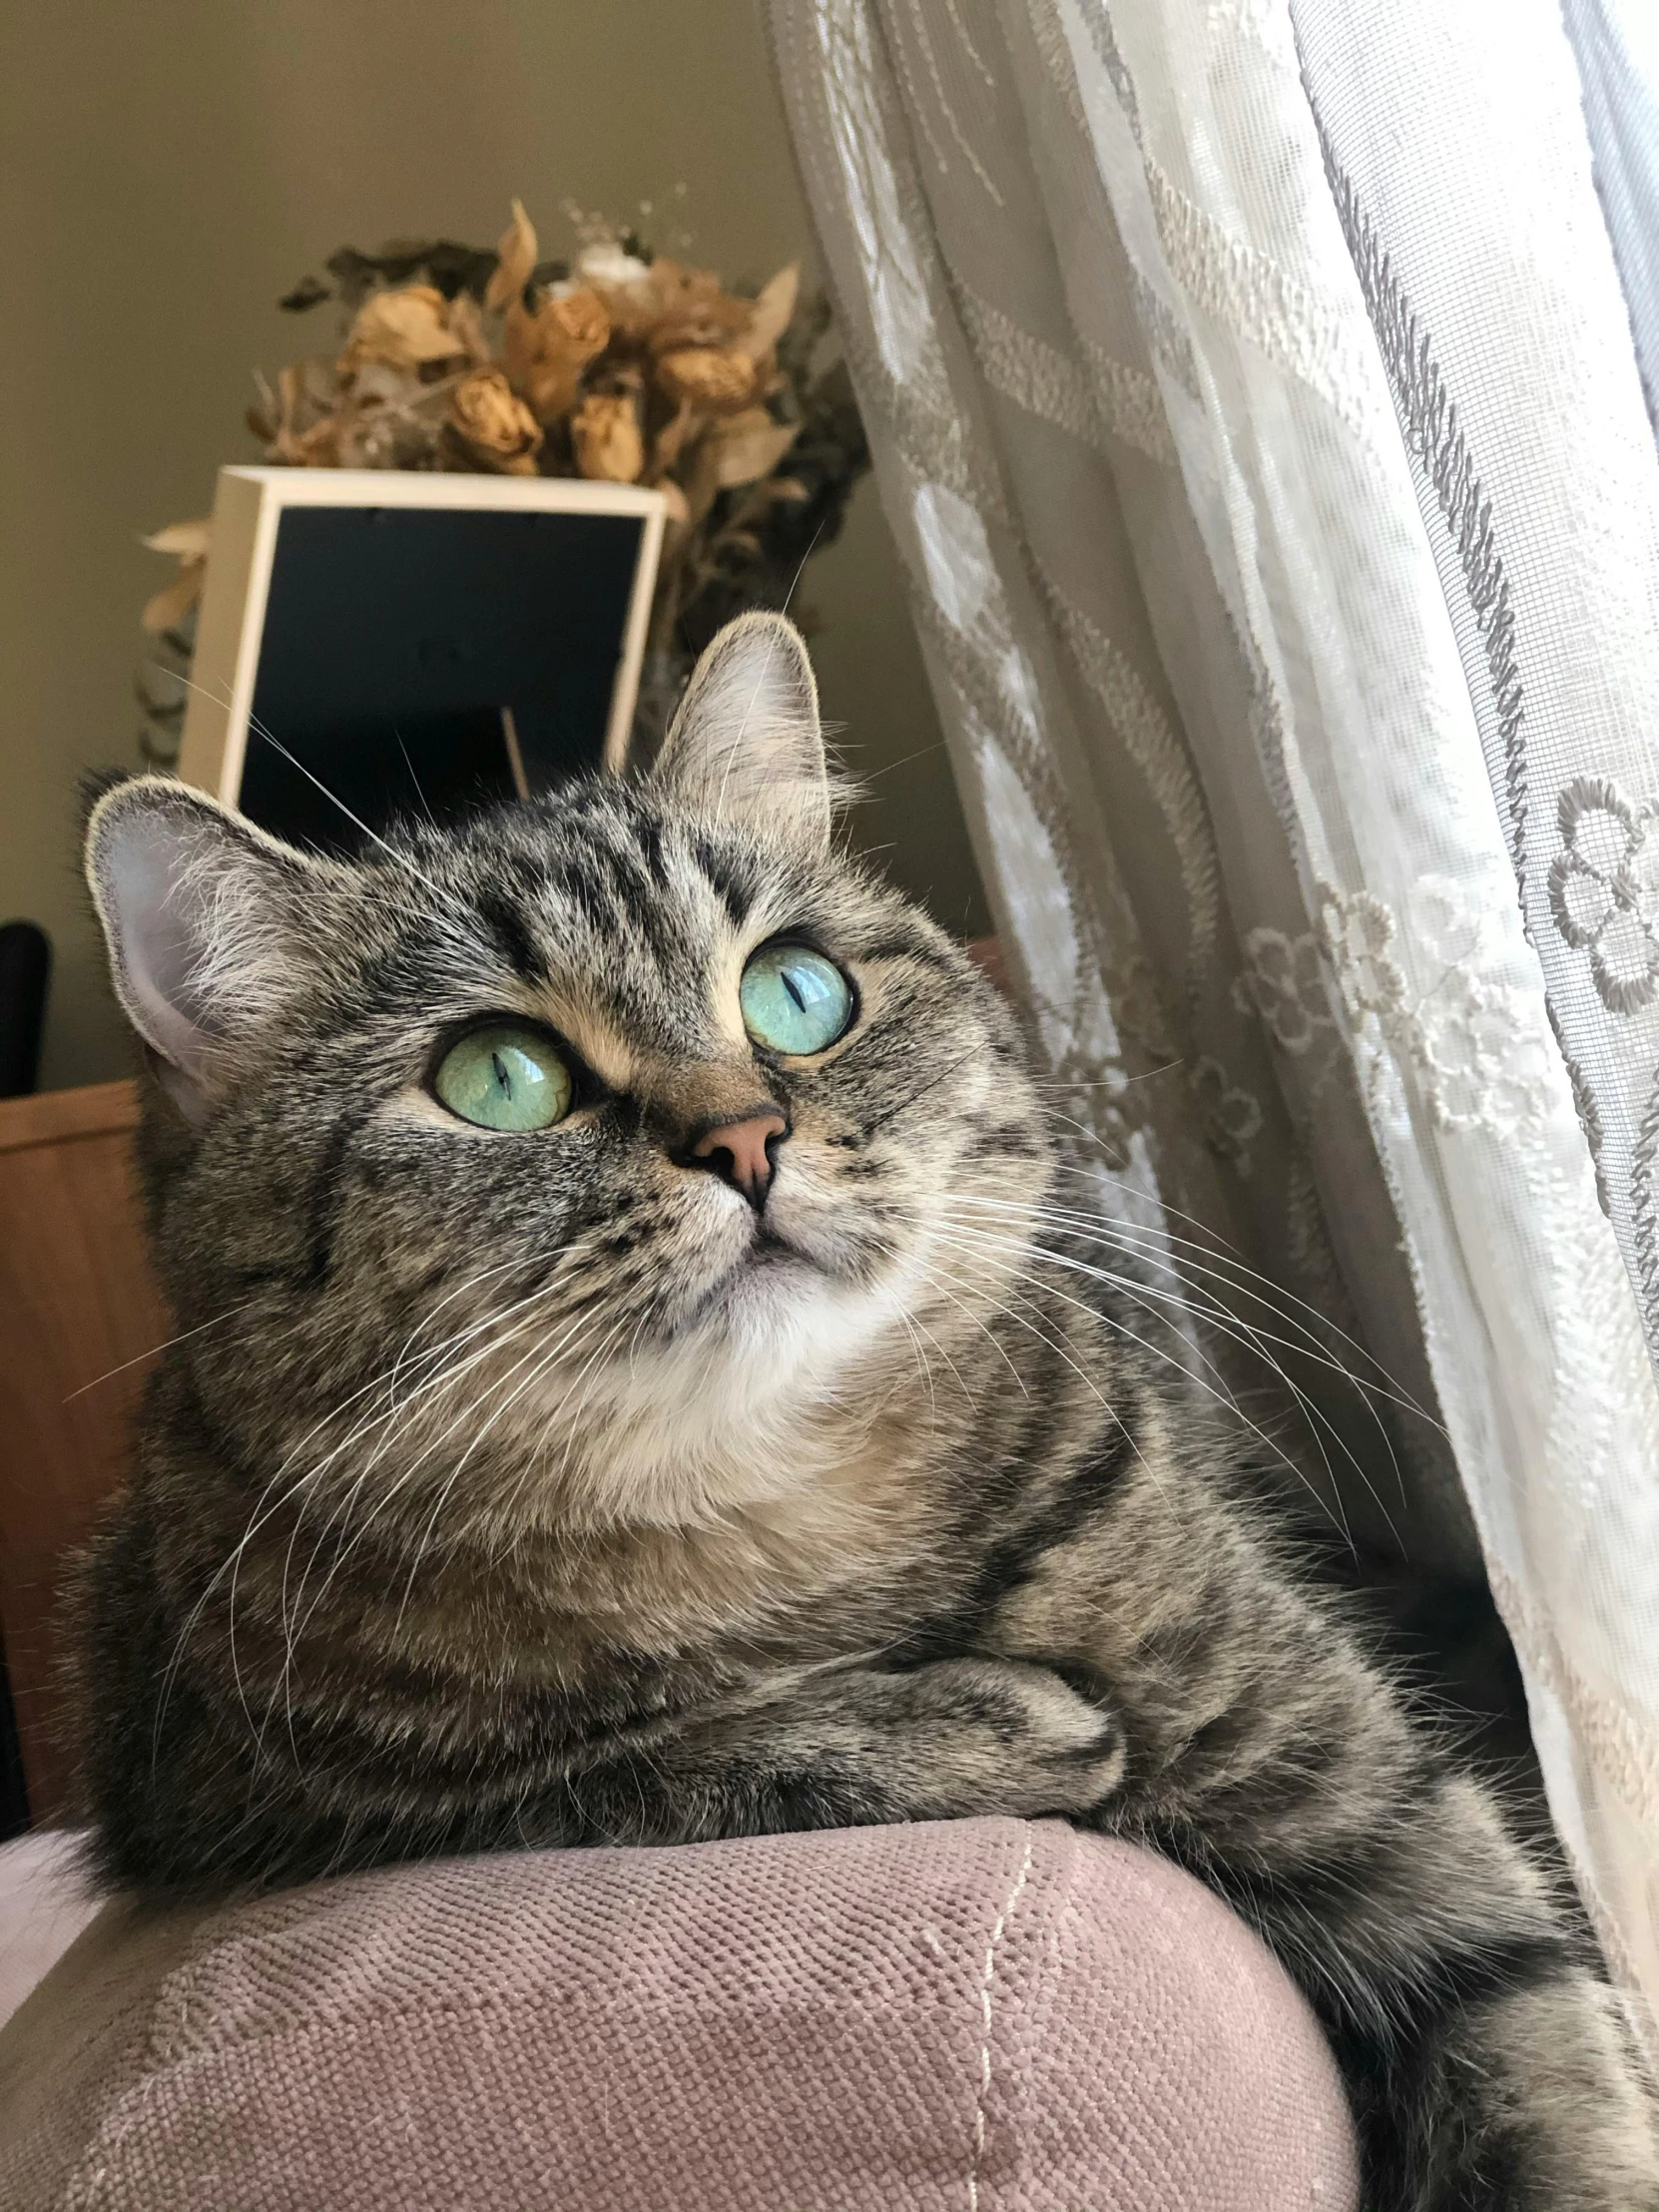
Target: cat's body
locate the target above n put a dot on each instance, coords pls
(545, 1487)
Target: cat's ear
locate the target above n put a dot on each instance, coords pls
(196, 907)
(746, 745)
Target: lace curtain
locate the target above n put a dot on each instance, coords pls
(1255, 405)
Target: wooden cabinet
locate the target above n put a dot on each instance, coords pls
(79, 1313)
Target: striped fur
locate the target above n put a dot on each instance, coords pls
(526, 1489)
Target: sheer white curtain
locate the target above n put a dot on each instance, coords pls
(1255, 406)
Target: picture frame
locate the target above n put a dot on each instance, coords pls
(372, 641)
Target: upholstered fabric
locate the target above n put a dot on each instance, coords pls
(977, 2015)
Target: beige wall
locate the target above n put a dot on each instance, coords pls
(168, 168)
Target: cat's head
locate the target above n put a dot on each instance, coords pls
(592, 1158)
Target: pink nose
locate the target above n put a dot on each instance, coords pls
(736, 1150)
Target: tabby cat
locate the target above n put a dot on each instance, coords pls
(622, 1399)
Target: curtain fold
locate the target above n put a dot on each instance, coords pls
(1260, 429)
(1616, 44)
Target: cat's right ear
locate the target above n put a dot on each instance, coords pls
(194, 903)
(746, 745)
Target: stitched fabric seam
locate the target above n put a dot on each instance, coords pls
(1157, 751)
(1122, 403)
(1436, 439)
(1645, 1231)
(987, 1988)
(1163, 330)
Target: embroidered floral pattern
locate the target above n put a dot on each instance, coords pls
(1359, 929)
(1231, 1117)
(1604, 889)
(1469, 1039)
(1137, 1007)
(1284, 984)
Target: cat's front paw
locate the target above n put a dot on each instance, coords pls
(1006, 1736)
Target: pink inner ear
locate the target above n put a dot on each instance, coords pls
(745, 744)
(187, 1094)
(156, 927)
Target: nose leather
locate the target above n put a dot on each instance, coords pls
(737, 1151)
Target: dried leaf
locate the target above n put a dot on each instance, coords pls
(404, 329)
(724, 382)
(307, 391)
(541, 361)
(385, 384)
(189, 540)
(466, 323)
(322, 446)
(700, 480)
(661, 306)
(308, 293)
(748, 446)
(450, 266)
(774, 306)
(174, 601)
(265, 415)
(689, 307)
(516, 258)
(673, 439)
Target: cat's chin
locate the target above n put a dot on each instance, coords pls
(765, 1284)
(771, 1274)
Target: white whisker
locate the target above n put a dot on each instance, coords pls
(403, 859)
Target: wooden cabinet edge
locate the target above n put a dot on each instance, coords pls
(49, 1117)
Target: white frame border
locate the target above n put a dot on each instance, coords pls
(248, 509)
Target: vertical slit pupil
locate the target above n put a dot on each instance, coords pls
(793, 989)
(503, 1080)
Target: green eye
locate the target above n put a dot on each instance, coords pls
(794, 1000)
(506, 1076)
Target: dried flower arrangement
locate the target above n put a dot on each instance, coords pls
(618, 364)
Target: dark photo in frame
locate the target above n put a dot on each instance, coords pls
(375, 645)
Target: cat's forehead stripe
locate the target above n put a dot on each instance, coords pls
(613, 883)
(510, 934)
(626, 930)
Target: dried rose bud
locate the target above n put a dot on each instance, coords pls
(707, 377)
(694, 310)
(605, 431)
(404, 328)
(494, 424)
(581, 316)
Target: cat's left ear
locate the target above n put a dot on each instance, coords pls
(746, 745)
(198, 911)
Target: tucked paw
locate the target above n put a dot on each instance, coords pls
(1003, 1736)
